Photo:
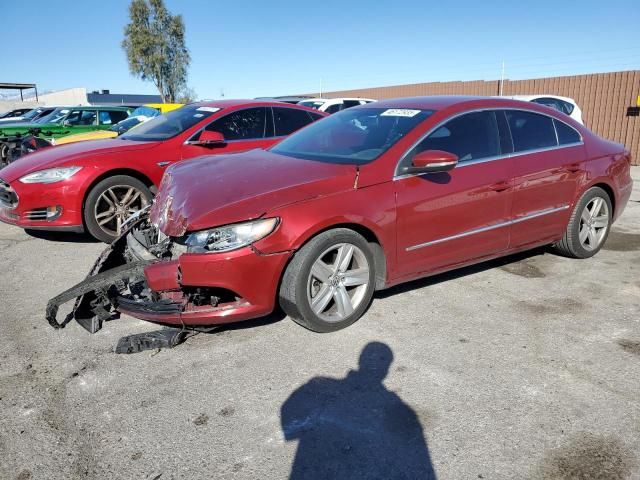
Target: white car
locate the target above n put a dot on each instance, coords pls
(333, 105)
(563, 104)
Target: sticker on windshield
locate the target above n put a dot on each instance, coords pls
(208, 109)
(399, 112)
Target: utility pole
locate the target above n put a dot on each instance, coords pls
(320, 87)
(501, 79)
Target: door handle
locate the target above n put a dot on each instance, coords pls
(500, 186)
(163, 164)
(573, 168)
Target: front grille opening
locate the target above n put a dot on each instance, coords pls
(210, 296)
(8, 198)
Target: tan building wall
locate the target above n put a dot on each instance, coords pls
(603, 98)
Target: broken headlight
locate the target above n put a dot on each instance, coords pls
(230, 237)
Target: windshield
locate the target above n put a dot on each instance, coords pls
(32, 113)
(146, 112)
(313, 104)
(354, 136)
(56, 116)
(125, 125)
(170, 124)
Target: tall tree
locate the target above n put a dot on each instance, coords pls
(155, 47)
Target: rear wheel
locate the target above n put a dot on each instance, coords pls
(111, 202)
(330, 281)
(588, 226)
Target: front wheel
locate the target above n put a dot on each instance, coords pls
(588, 226)
(111, 202)
(329, 283)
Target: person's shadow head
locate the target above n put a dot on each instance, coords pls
(375, 360)
(354, 427)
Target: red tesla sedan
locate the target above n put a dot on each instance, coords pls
(365, 199)
(97, 185)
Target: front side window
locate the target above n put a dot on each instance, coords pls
(246, 124)
(112, 117)
(81, 117)
(566, 134)
(530, 131)
(354, 136)
(471, 136)
(288, 120)
(170, 124)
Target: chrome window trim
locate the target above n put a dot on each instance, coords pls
(200, 130)
(397, 176)
(488, 228)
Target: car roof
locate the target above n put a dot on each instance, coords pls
(104, 107)
(239, 103)
(441, 102)
(532, 97)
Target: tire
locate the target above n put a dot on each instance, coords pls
(97, 205)
(299, 287)
(576, 243)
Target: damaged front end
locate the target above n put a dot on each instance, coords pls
(117, 279)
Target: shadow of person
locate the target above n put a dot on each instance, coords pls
(354, 427)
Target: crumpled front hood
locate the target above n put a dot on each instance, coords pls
(69, 154)
(220, 189)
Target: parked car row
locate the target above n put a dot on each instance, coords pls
(46, 126)
(315, 222)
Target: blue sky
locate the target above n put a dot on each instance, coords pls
(260, 48)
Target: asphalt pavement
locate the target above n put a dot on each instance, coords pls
(527, 367)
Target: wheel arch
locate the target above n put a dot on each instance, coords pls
(607, 187)
(112, 173)
(380, 258)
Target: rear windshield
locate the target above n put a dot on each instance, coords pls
(354, 136)
(169, 124)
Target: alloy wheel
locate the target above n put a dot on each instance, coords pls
(338, 282)
(594, 222)
(115, 205)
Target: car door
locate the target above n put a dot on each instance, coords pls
(243, 129)
(548, 161)
(449, 218)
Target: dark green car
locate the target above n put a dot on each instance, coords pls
(66, 121)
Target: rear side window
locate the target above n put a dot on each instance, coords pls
(112, 117)
(566, 134)
(351, 103)
(245, 124)
(288, 120)
(315, 116)
(334, 108)
(530, 131)
(471, 136)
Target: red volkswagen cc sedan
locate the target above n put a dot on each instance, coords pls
(97, 185)
(365, 199)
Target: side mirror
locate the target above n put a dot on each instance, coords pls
(66, 123)
(433, 161)
(209, 139)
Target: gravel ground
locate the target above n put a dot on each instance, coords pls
(528, 367)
